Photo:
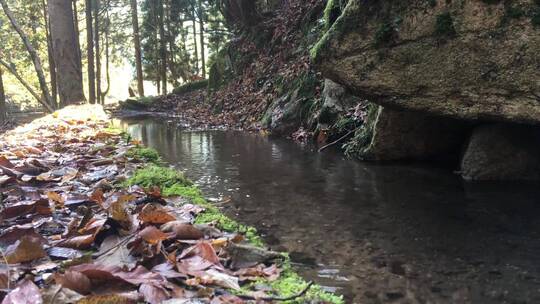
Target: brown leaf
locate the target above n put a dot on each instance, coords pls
(78, 242)
(40, 207)
(26, 292)
(183, 231)
(74, 280)
(26, 249)
(153, 294)
(155, 214)
(56, 198)
(152, 235)
(101, 272)
(5, 162)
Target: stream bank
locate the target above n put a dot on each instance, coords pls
(374, 233)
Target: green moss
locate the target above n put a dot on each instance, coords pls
(154, 175)
(290, 283)
(444, 25)
(191, 87)
(331, 13)
(144, 154)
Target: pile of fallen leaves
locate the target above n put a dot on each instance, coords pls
(71, 232)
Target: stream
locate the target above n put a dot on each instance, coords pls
(373, 233)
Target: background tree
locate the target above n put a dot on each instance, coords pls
(90, 53)
(33, 55)
(66, 52)
(137, 46)
(3, 115)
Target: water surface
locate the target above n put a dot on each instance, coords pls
(374, 233)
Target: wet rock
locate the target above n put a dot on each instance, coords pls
(336, 101)
(245, 256)
(502, 152)
(399, 135)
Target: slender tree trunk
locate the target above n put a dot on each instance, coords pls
(201, 34)
(196, 52)
(137, 45)
(98, 52)
(33, 54)
(10, 67)
(66, 53)
(50, 54)
(90, 53)
(107, 59)
(163, 47)
(3, 115)
(78, 39)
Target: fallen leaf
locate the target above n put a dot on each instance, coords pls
(26, 249)
(152, 235)
(153, 294)
(155, 214)
(25, 292)
(78, 242)
(74, 280)
(183, 231)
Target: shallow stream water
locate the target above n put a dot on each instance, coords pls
(373, 233)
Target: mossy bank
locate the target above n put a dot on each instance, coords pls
(173, 183)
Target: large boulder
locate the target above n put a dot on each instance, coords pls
(502, 152)
(469, 59)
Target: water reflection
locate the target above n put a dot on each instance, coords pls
(373, 233)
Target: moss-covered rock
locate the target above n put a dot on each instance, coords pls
(482, 69)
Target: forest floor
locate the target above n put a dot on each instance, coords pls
(90, 216)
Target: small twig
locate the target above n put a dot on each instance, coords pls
(337, 141)
(281, 299)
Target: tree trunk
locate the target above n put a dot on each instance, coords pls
(33, 54)
(98, 52)
(50, 54)
(90, 53)
(3, 115)
(163, 47)
(137, 45)
(66, 53)
(195, 51)
(10, 67)
(107, 59)
(201, 34)
(78, 39)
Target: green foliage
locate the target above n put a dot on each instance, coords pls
(362, 139)
(191, 87)
(444, 25)
(144, 154)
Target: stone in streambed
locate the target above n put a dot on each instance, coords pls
(502, 152)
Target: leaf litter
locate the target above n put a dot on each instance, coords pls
(72, 233)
